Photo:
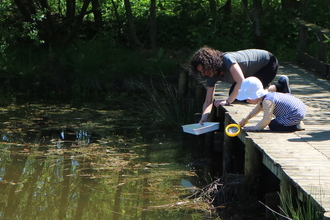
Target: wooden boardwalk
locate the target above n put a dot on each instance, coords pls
(301, 158)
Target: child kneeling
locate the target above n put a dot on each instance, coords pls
(288, 110)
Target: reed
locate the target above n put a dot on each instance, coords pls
(294, 209)
(162, 102)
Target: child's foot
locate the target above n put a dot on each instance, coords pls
(300, 126)
(284, 82)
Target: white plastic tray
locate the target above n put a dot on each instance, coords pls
(198, 129)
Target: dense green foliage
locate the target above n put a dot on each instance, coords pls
(51, 50)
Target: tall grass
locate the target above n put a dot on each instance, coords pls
(165, 105)
(294, 209)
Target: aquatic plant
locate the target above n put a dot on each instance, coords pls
(297, 210)
(294, 209)
(162, 101)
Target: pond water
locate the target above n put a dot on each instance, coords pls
(61, 161)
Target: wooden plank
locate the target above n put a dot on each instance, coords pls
(313, 27)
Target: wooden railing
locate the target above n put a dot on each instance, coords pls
(318, 63)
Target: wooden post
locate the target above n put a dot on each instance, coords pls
(322, 47)
(228, 150)
(303, 38)
(213, 114)
(221, 111)
(253, 160)
(218, 141)
(183, 82)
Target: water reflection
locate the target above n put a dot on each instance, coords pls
(64, 162)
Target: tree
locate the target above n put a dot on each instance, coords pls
(213, 7)
(131, 28)
(70, 9)
(118, 20)
(152, 28)
(256, 12)
(226, 10)
(78, 22)
(97, 14)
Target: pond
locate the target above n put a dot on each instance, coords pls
(65, 161)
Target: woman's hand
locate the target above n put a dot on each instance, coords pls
(201, 122)
(203, 119)
(217, 103)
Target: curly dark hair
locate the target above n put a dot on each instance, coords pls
(210, 59)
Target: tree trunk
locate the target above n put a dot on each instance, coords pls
(256, 12)
(213, 7)
(70, 9)
(226, 10)
(245, 5)
(152, 28)
(131, 28)
(46, 28)
(119, 23)
(97, 14)
(78, 22)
